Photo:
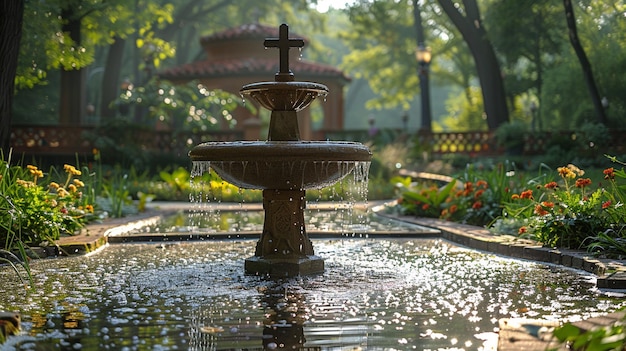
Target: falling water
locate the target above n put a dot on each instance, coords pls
(350, 192)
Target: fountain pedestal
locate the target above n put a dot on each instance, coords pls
(284, 248)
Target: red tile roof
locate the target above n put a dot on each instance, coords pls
(247, 65)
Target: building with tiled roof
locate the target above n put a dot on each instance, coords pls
(236, 57)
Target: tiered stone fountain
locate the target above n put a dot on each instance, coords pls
(283, 167)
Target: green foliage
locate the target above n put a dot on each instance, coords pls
(567, 212)
(189, 107)
(604, 338)
(46, 45)
(485, 188)
(32, 214)
(424, 199)
(115, 198)
(465, 111)
(382, 46)
(511, 135)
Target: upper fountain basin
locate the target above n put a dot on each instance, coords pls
(284, 96)
(287, 165)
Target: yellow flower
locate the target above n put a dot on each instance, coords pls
(576, 170)
(31, 168)
(62, 192)
(566, 172)
(71, 170)
(25, 183)
(54, 185)
(72, 188)
(79, 183)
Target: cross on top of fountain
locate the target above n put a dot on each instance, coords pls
(284, 43)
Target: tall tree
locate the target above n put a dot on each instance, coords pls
(584, 62)
(527, 34)
(11, 17)
(468, 21)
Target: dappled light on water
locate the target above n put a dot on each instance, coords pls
(374, 294)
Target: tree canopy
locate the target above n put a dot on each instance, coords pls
(502, 58)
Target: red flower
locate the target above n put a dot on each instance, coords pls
(527, 194)
(583, 182)
(606, 204)
(425, 207)
(540, 211)
(477, 205)
(609, 173)
(551, 185)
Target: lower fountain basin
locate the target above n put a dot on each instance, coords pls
(288, 165)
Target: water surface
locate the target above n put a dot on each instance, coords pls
(397, 294)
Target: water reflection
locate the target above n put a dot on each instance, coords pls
(374, 295)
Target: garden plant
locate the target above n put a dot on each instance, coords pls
(565, 209)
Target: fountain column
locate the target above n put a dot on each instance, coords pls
(284, 248)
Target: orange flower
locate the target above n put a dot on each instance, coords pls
(551, 185)
(540, 211)
(514, 197)
(606, 204)
(477, 205)
(583, 182)
(522, 230)
(527, 194)
(479, 193)
(609, 173)
(444, 213)
(482, 184)
(425, 207)
(547, 204)
(453, 209)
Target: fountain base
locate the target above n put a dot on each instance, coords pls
(284, 248)
(284, 267)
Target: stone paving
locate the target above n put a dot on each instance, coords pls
(514, 334)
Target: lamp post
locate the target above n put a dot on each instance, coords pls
(405, 121)
(423, 55)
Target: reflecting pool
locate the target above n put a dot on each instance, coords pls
(376, 294)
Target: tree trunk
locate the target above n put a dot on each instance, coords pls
(487, 65)
(584, 62)
(73, 100)
(110, 84)
(11, 17)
